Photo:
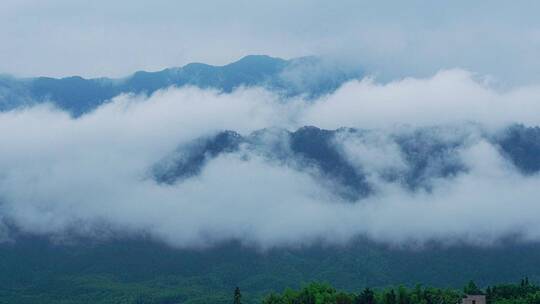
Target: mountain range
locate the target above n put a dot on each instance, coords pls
(428, 155)
(140, 269)
(309, 76)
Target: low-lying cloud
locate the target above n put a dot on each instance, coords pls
(448, 97)
(92, 175)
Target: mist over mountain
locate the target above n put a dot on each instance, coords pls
(274, 153)
(426, 154)
(311, 76)
(217, 152)
(305, 168)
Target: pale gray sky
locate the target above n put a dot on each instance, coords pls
(115, 38)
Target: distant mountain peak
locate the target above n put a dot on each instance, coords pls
(258, 59)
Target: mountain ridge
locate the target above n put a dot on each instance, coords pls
(78, 95)
(427, 155)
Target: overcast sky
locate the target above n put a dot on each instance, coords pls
(115, 38)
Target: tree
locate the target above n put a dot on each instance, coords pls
(390, 297)
(366, 297)
(403, 295)
(273, 299)
(472, 289)
(343, 298)
(237, 296)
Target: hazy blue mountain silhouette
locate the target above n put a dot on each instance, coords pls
(522, 145)
(308, 75)
(427, 156)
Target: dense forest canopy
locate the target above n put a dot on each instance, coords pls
(316, 293)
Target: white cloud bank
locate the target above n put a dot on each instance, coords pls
(60, 175)
(448, 97)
